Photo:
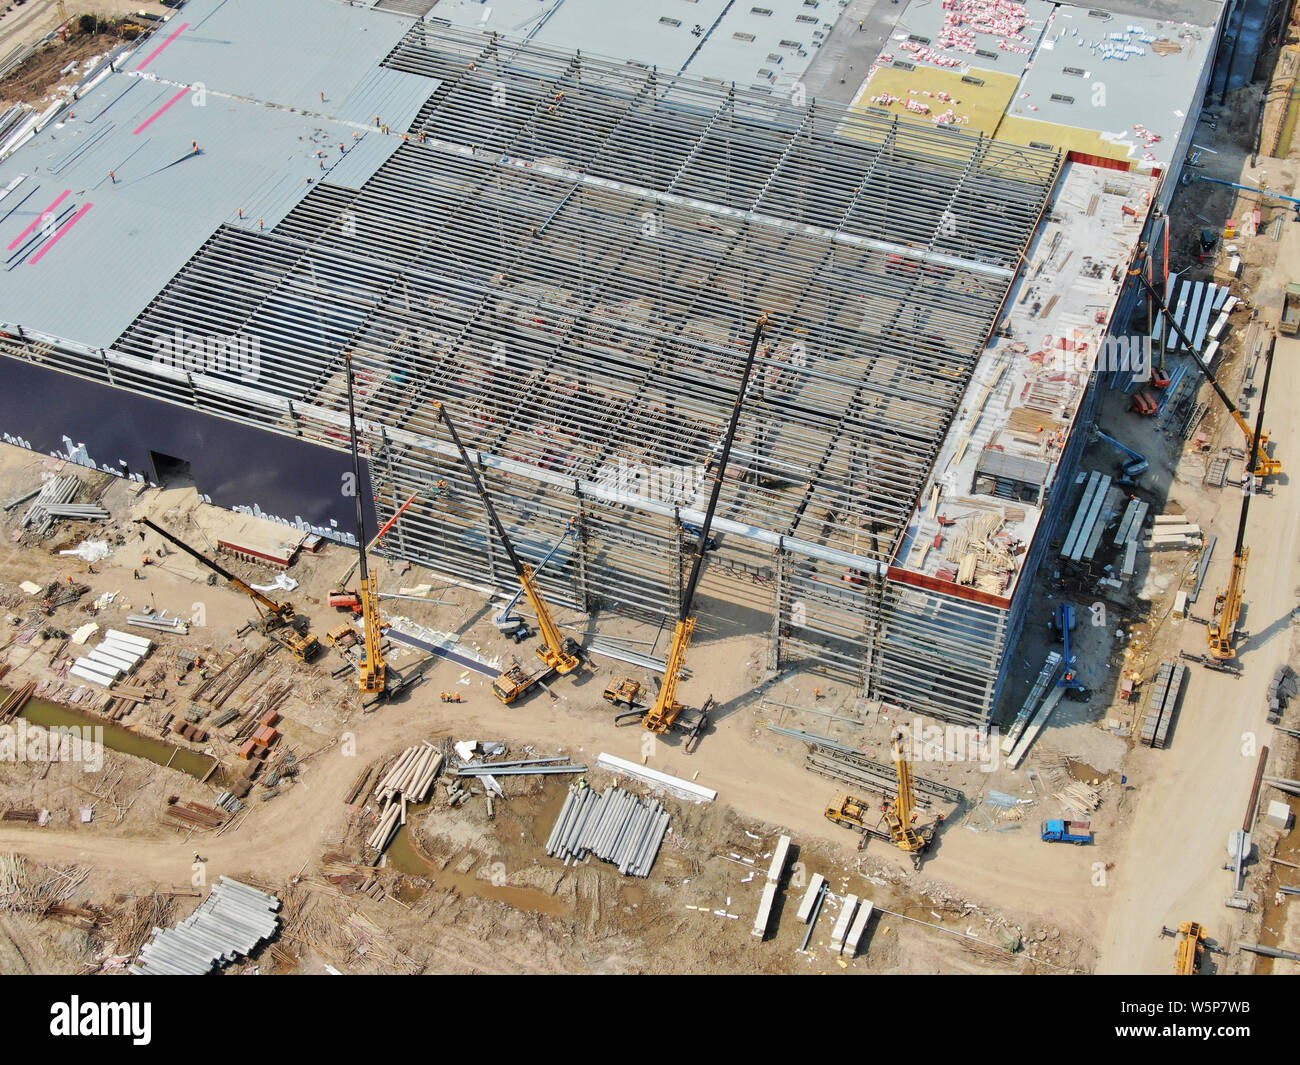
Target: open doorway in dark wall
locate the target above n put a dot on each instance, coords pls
(169, 471)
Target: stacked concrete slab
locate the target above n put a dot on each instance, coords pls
(117, 654)
(1163, 703)
(774, 873)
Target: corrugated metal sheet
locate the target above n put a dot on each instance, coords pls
(289, 51)
(219, 67)
(140, 229)
(363, 157)
(733, 44)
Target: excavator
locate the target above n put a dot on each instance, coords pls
(559, 653)
(374, 676)
(667, 714)
(898, 813)
(1262, 463)
(276, 620)
(1222, 629)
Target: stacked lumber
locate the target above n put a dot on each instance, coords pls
(1079, 797)
(196, 815)
(21, 815)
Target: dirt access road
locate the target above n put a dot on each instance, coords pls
(1193, 794)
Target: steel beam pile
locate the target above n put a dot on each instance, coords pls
(615, 826)
(58, 491)
(78, 512)
(230, 923)
(157, 623)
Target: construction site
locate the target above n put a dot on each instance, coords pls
(853, 473)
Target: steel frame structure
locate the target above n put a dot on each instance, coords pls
(571, 253)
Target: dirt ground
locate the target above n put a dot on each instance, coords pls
(42, 75)
(22, 25)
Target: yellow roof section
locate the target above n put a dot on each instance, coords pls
(978, 108)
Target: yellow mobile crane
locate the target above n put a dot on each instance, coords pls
(900, 812)
(560, 653)
(1261, 463)
(374, 675)
(1190, 948)
(667, 713)
(1222, 630)
(276, 620)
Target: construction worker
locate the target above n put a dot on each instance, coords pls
(135, 574)
(180, 680)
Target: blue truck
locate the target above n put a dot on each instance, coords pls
(1067, 832)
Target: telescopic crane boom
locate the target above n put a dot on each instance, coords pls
(1262, 463)
(559, 652)
(667, 713)
(272, 616)
(1222, 630)
(373, 674)
(900, 812)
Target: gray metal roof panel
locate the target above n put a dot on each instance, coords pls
(289, 51)
(1154, 91)
(88, 281)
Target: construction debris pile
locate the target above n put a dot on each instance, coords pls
(409, 780)
(984, 555)
(616, 827)
(231, 922)
(29, 888)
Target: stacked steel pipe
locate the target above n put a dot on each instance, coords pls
(616, 827)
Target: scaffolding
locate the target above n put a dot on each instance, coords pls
(572, 252)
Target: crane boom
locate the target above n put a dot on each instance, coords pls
(272, 613)
(557, 652)
(1264, 465)
(373, 672)
(272, 616)
(900, 811)
(664, 714)
(1222, 630)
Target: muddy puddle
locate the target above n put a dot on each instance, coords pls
(406, 857)
(117, 738)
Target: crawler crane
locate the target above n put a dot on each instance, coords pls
(559, 653)
(667, 714)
